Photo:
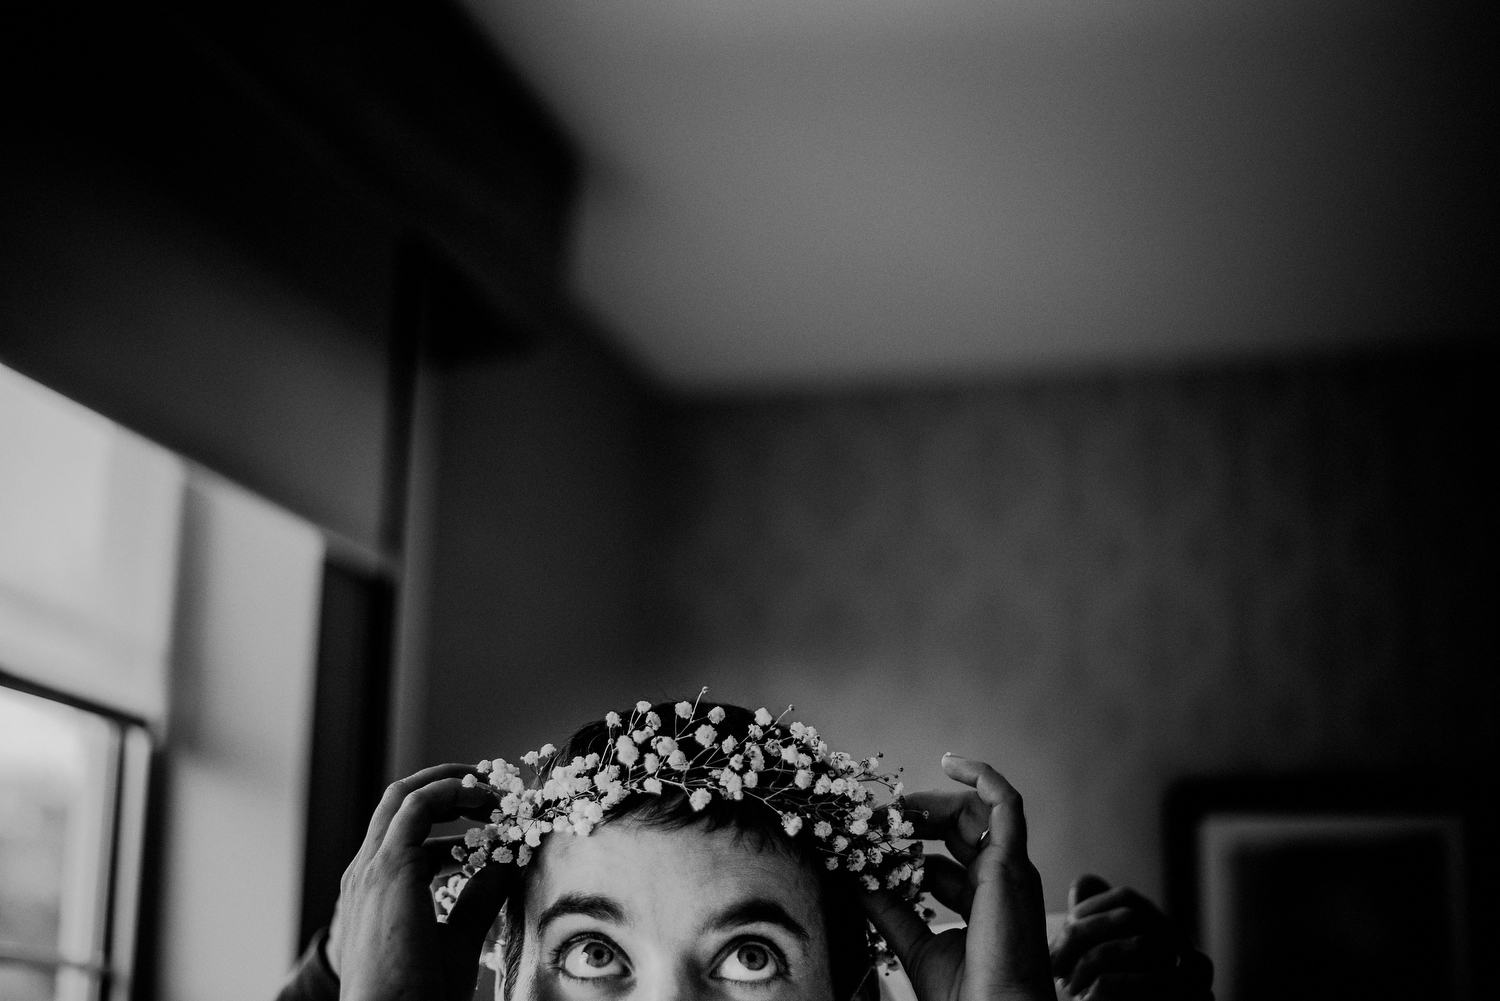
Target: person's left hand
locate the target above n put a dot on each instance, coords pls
(1117, 946)
(1002, 954)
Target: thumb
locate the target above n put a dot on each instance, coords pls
(1084, 887)
(474, 913)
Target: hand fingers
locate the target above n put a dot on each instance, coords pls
(396, 792)
(1007, 818)
(1120, 955)
(899, 925)
(439, 852)
(1078, 937)
(1120, 896)
(948, 881)
(956, 817)
(1120, 987)
(433, 803)
(477, 907)
(1084, 887)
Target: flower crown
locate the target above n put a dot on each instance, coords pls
(786, 767)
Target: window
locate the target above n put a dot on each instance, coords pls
(72, 811)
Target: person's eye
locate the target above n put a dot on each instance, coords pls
(592, 959)
(749, 962)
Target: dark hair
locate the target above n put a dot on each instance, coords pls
(850, 955)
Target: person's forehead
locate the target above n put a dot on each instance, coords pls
(680, 875)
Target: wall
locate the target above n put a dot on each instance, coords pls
(534, 550)
(1098, 583)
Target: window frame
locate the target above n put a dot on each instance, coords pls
(114, 965)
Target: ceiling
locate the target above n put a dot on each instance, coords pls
(785, 192)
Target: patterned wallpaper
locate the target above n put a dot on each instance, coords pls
(1099, 583)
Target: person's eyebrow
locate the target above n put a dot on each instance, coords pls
(757, 911)
(589, 905)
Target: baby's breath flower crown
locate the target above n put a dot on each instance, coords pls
(787, 767)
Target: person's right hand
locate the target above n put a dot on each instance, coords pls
(385, 942)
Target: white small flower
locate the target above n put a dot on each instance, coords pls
(737, 762)
(757, 758)
(502, 855)
(822, 786)
(592, 761)
(791, 823)
(732, 783)
(651, 764)
(469, 782)
(716, 715)
(653, 786)
(611, 719)
(626, 752)
(705, 735)
(856, 860)
(751, 780)
(896, 790)
(893, 818)
(533, 837)
(678, 760)
(803, 778)
(664, 746)
(762, 717)
(523, 855)
(789, 754)
(823, 829)
(530, 758)
(840, 843)
(653, 721)
(483, 768)
(684, 709)
(798, 730)
(755, 732)
(728, 744)
(700, 797)
(643, 706)
(858, 827)
(831, 862)
(641, 736)
(871, 883)
(916, 877)
(546, 750)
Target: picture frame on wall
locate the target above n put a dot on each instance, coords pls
(1302, 889)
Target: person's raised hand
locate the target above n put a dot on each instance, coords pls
(385, 942)
(1117, 946)
(1002, 954)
